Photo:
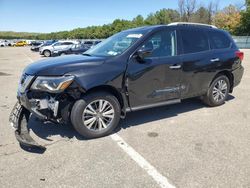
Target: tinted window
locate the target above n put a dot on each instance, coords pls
(57, 44)
(88, 42)
(67, 43)
(219, 40)
(194, 41)
(163, 44)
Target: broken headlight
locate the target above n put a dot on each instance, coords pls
(52, 84)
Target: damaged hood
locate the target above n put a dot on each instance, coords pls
(61, 65)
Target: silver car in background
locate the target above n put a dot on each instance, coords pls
(47, 51)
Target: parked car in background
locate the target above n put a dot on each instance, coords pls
(60, 45)
(133, 70)
(36, 43)
(46, 43)
(8, 43)
(2, 44)
(91, 43)
(74, 49)
(20, 43)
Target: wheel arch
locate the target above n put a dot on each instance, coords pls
(112, 90)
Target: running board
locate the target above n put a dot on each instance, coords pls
(175, 101)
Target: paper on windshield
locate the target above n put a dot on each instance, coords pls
(134, 36)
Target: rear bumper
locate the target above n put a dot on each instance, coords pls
(238, 74)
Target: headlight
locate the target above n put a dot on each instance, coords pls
(52, 84)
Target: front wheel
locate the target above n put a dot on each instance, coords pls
(47, 53)
(218, 91)
(96, 115)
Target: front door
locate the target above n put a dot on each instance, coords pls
(156, 79)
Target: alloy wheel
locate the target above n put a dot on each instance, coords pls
(220, 90)
(98, 115)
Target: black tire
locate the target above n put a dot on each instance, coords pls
(209, 98)
(47, 53)
(77, 114)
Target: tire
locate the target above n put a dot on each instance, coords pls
(90, 125)
(218, 91)
(47, 53)
(62, 54)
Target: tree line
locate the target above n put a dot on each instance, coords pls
(233, 18)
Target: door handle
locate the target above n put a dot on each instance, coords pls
(175, 66)
(215, 60)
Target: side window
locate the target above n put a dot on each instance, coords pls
(163, 44)
(66, 43)
(219, 40)
(194, 41)
(57, 44)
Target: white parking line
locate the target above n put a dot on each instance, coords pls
(161, 180)
(31, 60)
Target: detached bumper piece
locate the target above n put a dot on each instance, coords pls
(19, 118)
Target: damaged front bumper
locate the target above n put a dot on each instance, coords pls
(19, 118)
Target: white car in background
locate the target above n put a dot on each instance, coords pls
(2, 44)
(47, 51)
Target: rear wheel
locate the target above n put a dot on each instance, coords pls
(96, 115)
(47, 53)
(218, 91)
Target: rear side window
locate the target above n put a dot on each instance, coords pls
(88, 42)
(219, 40)
(194, 41)
(67, 43)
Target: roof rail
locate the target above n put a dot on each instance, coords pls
(190, 23)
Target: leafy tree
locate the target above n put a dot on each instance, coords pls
(151, 19)
(228, 19)
(244, 27)
(201, 16)
(138, 21)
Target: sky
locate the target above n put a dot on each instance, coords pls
(59, 15)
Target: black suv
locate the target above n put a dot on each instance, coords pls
(133, 70)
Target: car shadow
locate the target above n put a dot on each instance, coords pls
(47, 130)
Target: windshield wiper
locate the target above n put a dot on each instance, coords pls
(86, 54)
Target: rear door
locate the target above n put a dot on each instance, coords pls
(223, 49)
(157, 79)
(196, 58)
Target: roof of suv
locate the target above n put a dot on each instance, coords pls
(176, 24)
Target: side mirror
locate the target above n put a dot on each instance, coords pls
(141, 54)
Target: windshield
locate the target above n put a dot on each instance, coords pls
(116, 44)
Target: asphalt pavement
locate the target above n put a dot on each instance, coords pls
(187, 145)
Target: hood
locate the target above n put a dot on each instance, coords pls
(61, 65)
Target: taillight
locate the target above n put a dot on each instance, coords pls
(240, 55)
